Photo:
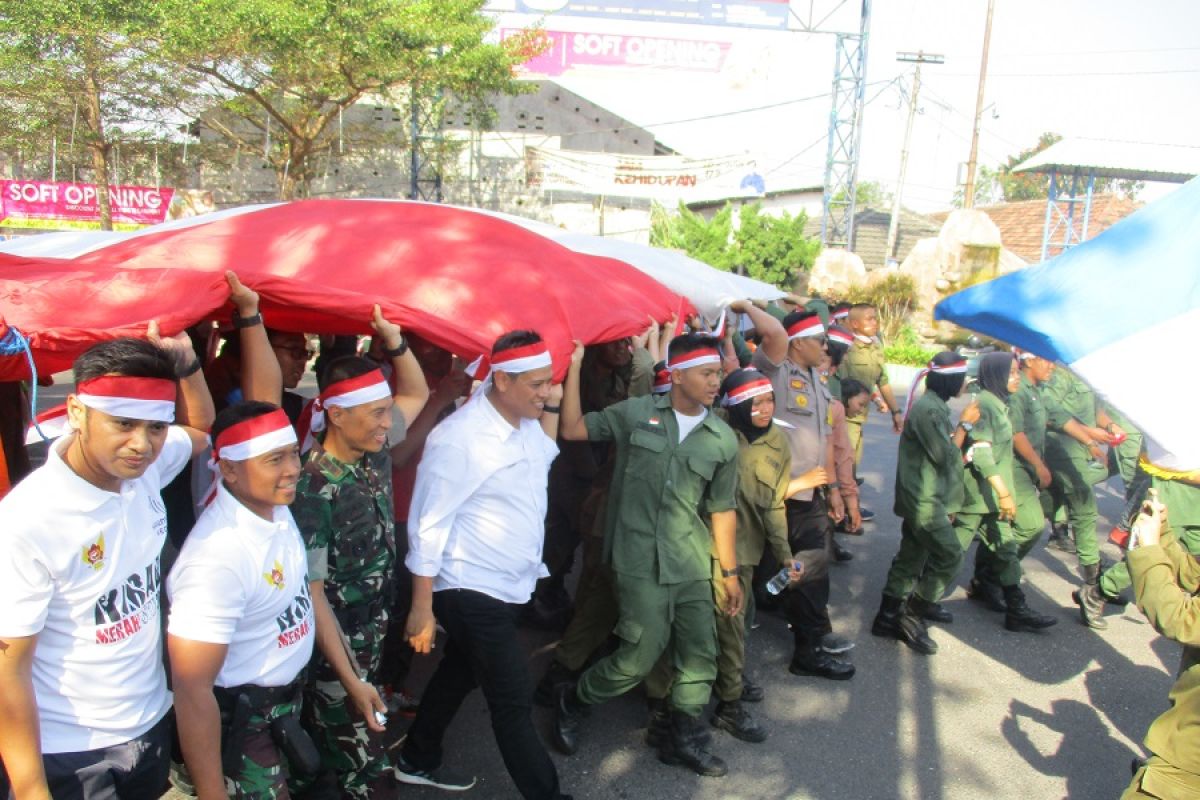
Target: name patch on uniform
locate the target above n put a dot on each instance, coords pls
(798, 383)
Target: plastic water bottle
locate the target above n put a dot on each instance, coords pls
(783, 578)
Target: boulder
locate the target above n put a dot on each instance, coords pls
(835, 271)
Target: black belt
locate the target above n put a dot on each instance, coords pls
(261, 697)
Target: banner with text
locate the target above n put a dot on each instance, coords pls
(663, 178)
(567, 50)
(43, 204)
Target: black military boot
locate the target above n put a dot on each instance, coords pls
(896, 621)
(1020, 617)
(1089, 598)
(555, 675)
(929, 610)
(686, 746)
(569, 711)
(733, 717)
(751, 691)
(987, 594)
(658, 722)
(1060, 538)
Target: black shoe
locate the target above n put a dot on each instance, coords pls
(568, 717)
(811, 661)
(930, 611)
(440, 778)
(736, 720)
(658, 722)
(686, 746)
(1060, 539)
(1020, 617)
(866, 514)
(556, 674)
(988, 595)
(896, 620)
(841, 554)
(858, 481)
(751, 691)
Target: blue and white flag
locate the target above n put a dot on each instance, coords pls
(1122, 311)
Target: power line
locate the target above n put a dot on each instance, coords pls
(1071, 74)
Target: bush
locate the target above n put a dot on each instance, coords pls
(894, 298)
(908, 349)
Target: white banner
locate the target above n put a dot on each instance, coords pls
(663, 178)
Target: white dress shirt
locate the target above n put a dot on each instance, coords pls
(479, 504)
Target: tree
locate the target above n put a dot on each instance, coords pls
(277, 74)
(87, 66)
(767, 248)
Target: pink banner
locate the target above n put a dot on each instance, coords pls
(39, 204)
(567, 50)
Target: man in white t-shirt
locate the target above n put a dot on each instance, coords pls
(83, 696)
(241, 626)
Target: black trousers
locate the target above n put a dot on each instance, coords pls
(810, 536)
(483, 650)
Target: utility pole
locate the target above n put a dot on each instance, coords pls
(917, 58)
(969, 190)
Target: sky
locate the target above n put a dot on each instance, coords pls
(1081, 68)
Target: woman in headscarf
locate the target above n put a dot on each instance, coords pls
(988, 507)
(929, 492)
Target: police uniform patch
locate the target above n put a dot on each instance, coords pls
(802, 400)
(797, 383)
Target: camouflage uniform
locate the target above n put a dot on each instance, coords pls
(263, 774)
(344, 512)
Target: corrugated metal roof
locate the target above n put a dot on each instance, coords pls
(1172, 163)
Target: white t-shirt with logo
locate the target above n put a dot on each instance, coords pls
(79, 568)
(242, 581)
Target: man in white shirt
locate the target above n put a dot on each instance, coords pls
(475, 552)
(83, 698)
(241, 627)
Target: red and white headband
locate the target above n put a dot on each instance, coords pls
(696, 358)
(366, 388)
(838, 316)
(514, 360)
(806, 328)
(953, 368)
(748, 391)
(253, 437)
(841, 337)
(662, 381)
(151, 399)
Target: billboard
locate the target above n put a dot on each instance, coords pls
(44, 204)
(662, 178)
(568, 50)
(763, 14)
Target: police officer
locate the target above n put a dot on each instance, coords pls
(344, 511)
(989, 503)
(676, 470)
(929, 492)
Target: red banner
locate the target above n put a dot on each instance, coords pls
(566, 51)
(43, 204)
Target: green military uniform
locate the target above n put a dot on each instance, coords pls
(764, 470)
(989, 454)
(1166, 582)
(929, 488)
(1065, 398)
(261, 774)
(1182, 500)
(1027, 414)
(864, 363)
(344, 512)
(659, 546)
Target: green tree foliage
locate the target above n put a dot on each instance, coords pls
(767, 248)
(88, 67)
(276, 75)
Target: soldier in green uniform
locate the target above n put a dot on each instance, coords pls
(1031, 475)
(1075, 455)
(989, 503)
(676, 469)
(866, 364)
(1166, 582)
(343, 508)
(929, 492)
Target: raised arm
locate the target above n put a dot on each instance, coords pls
(571, 425)
(194, 411)
(411, 391)
(261, 377)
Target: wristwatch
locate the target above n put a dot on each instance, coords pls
(398, 350)
(729, 573)
(966, 426)
(246, 322)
